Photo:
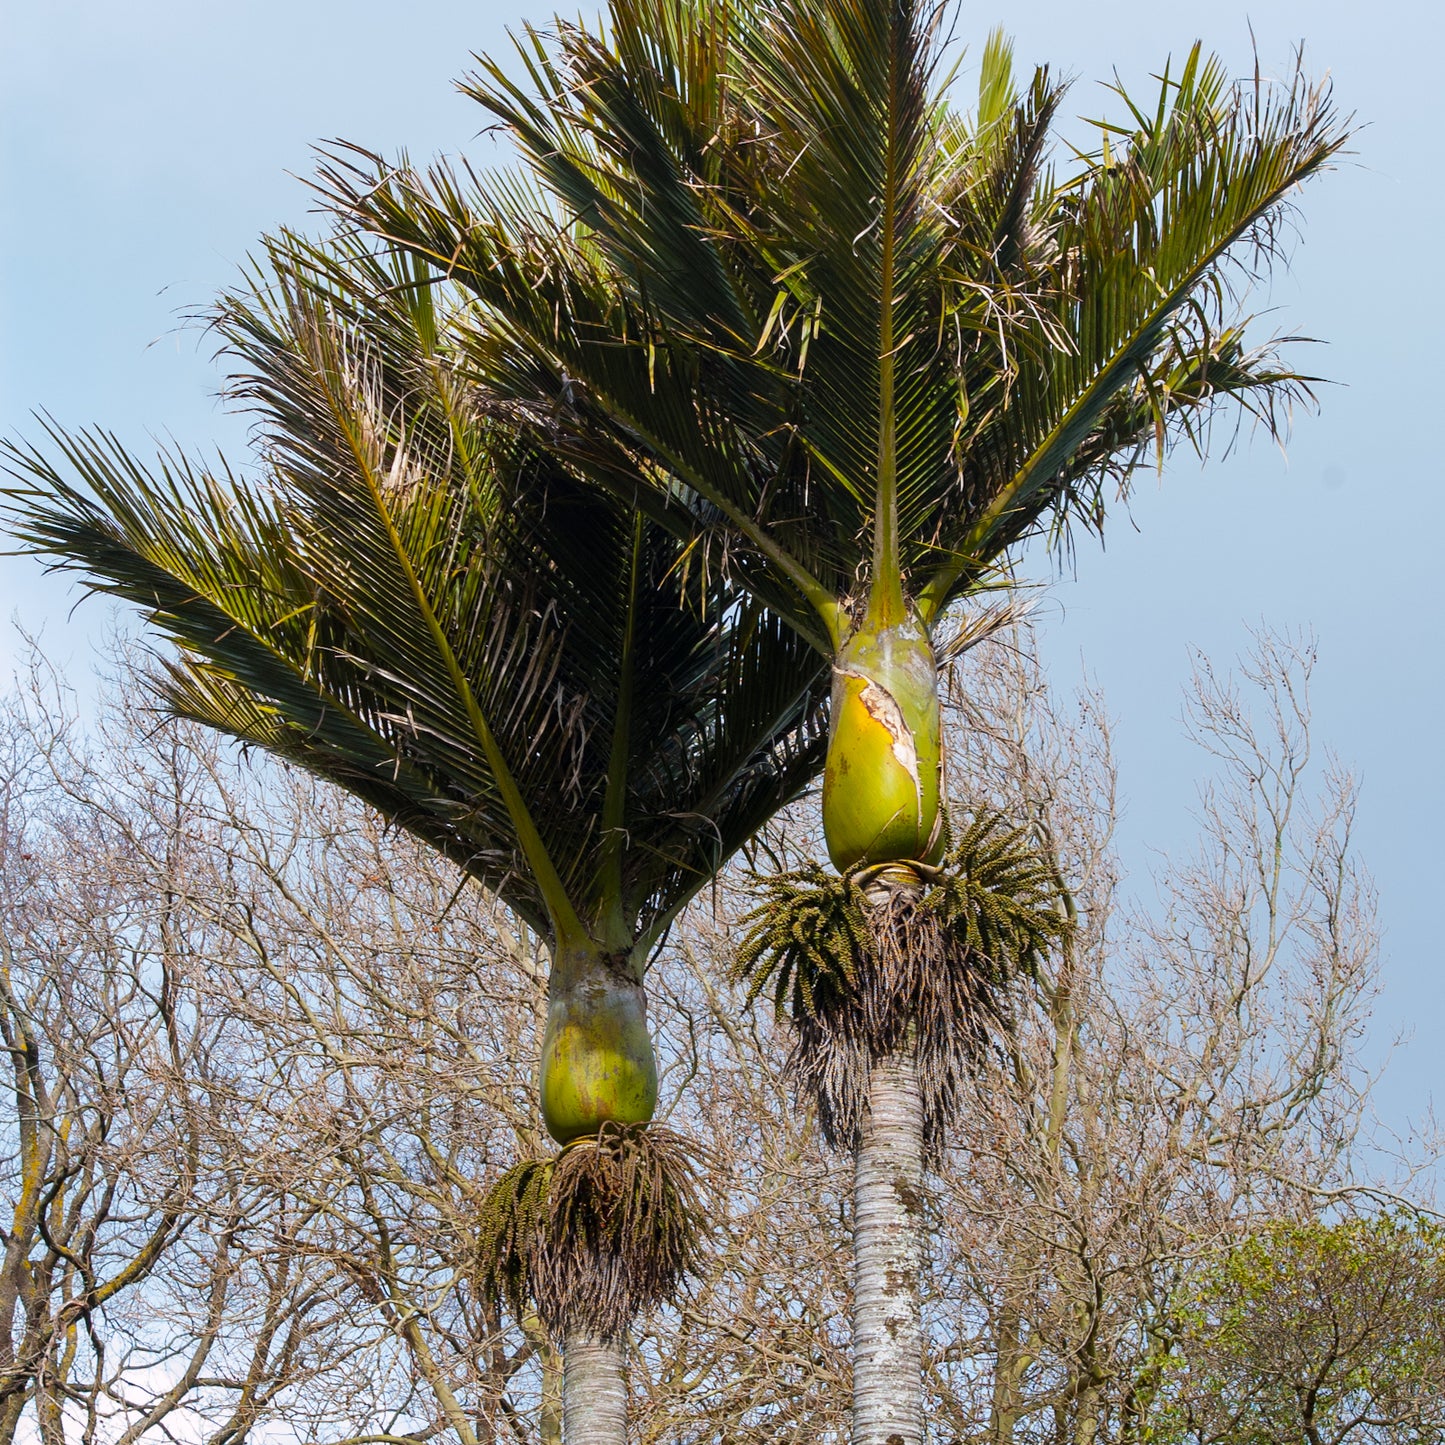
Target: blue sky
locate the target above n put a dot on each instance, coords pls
(145, 146)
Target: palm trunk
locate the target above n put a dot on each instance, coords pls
(881, 815)
(888, 1258)
(594, 1396)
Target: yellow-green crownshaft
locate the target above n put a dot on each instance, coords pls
(881, 783)
(597, 1061)
(882, 778)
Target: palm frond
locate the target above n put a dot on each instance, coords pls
(741, 199)
(414, 602)
(1149, 239)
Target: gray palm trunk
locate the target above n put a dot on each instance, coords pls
(888, 1258)
(594, 1395)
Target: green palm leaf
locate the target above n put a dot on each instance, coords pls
(776, 290)
(418, 605)
(1146, 240)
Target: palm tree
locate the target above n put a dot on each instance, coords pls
(412, 602)
(854, 347)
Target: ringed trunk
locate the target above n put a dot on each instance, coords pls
(597, 1061)
(881, 781)
(888, 1258)
(594, 1393)
(881, 806)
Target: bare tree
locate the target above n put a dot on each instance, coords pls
(139, 1275)
(1181, 1075)
(1184, 1071)
(392, 1021)
(269, 1056)
(304, 1050)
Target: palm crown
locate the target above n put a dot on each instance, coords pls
(777, 290)
(419, 606)
(853, 347)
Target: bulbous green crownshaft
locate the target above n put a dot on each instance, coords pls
(882, 780)
(597, 1060)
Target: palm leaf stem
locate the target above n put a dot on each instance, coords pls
(885, 598)
(616, 934)
(569, 930)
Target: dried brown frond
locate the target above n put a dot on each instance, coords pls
(595, 1236)
(923, 989)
